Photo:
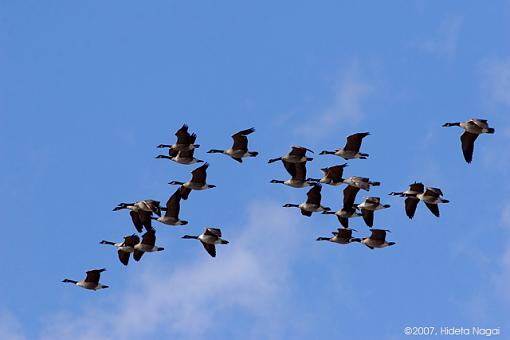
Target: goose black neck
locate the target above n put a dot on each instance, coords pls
(107, 242)
(190, 237)
(123, 206)
(451, 124)
(215, 151)
(70, 281)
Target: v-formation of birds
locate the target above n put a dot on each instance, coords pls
(143, 212)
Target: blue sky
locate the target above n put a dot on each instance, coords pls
(87, 90)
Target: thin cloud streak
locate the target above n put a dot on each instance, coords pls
(495, 87)
(243, 279)
(496, 80)
(10, 328)
(444, 44)
(346, 108)
(502, 280)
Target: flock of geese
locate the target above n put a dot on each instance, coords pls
(144, 212)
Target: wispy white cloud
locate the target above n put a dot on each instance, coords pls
(496, 80)
(502, 280)
(346, 108)
(505, 216)
(196, 299)
(10, 328)
(495, 89)
(445, 41)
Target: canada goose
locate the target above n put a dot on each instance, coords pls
(333, 175)
(312, 204)
(368, 206)
(349, 208)
(181, 157)
(197, 182)
(124, 248)
(147, 245)
(412, 200)
(350, 193)
(297, 172)
(209, 238)
(173, 206)
(361, 182)
(91, 281)
(351, 148)
(185, 141)
(431, 198)
(296, 155)
(239, 149)
(377, 239)
(344, 214)
(341, 236)
(151, 206)
(141, 212)
(473, 128)
(354, 184)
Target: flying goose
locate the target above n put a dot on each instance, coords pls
(349, 208)
(185, 141)
(312, 204)
(173, 206)
(351, 148)
(297, 172)
(368, 206)
(296, 155)
(147, 245)
(341, 236)
(350, 193)
(181, 157)
(473, 128)
(412, 200)
(209, 238)
(239, 149)
(124, 248)
(354, 184)
(377, 239)
(151, 206)
(333, 175)
(344, 214)
(91, 281)
(361, 182)
(432, 197)
(197, 182)
(141, 212)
